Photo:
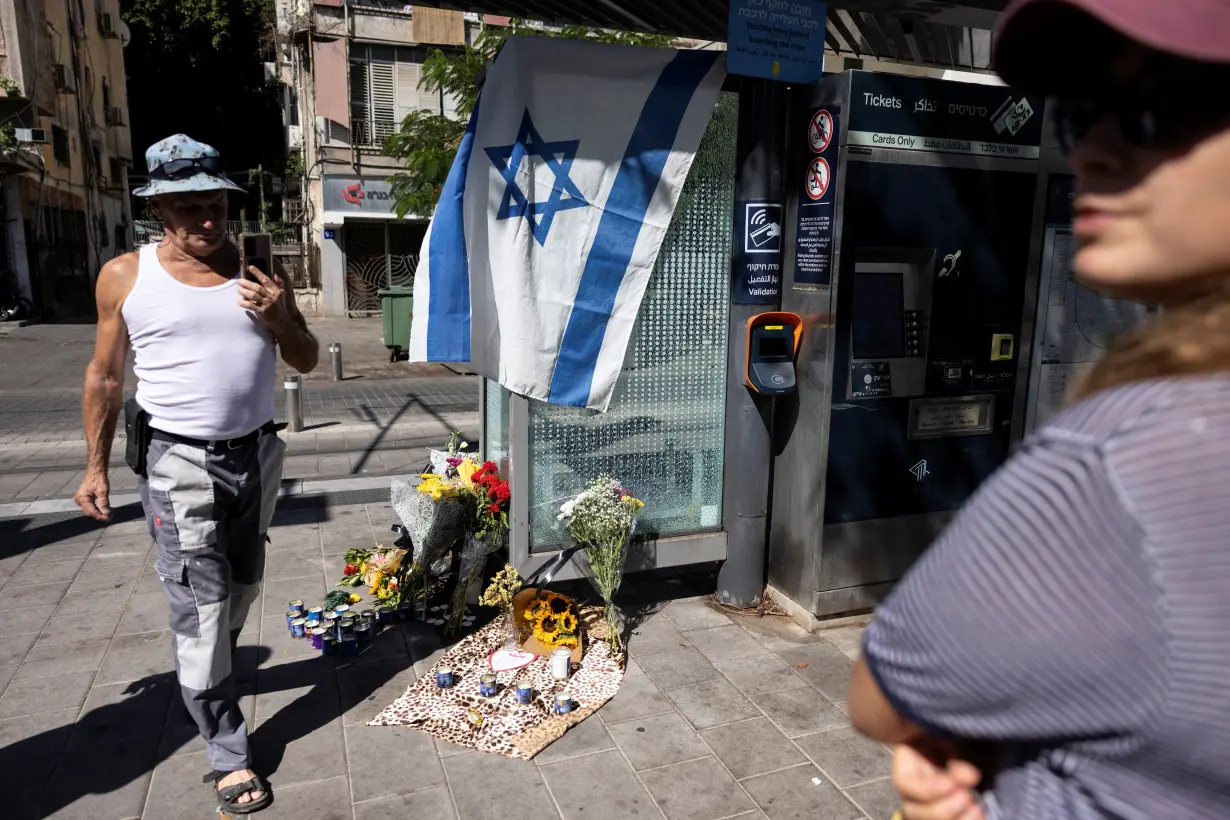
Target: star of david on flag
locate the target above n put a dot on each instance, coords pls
(558, 157)
(551, 220)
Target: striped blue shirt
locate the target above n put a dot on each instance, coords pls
(1077, 613)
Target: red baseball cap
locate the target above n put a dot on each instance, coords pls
(1031, 33)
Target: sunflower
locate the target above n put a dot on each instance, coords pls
(569, 641)
(547, 625)
(559, 604)
(568, 623)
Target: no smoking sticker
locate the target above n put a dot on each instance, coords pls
(817, 178)
(820, 131)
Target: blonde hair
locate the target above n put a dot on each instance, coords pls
(1189, 338)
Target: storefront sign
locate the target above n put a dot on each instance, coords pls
(816, 212)
(358, 195)
(776, 39)
(757, 262)
(921, 114)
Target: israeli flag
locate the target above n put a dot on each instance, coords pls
(551, 219)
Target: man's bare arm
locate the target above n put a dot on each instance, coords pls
(300, 349)
(104, 383)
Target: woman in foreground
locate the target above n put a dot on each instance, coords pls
(1074, 620)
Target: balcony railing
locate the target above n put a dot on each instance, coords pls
(371, 133)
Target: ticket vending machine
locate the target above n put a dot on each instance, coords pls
(908, 238)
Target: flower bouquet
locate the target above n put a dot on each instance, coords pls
(553, 620)
(436, 511)
(488, 496)
(383, 571)
(601, 519)
(501, 592)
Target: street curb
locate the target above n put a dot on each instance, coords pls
(295, 494)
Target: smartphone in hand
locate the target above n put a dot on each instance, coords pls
(256, 249)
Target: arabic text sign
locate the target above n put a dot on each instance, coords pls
(776, 39)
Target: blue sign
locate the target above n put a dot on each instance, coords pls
(330, 233)
(813, 255)
(776, 39)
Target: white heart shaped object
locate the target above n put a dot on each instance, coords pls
(506, 660)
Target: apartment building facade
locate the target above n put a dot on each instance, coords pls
(349, 74)
(65, 150)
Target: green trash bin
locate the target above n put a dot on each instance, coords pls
(397, 310)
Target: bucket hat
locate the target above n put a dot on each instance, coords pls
(179, 164)
(1031, 32)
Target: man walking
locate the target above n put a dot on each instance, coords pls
(205, 338)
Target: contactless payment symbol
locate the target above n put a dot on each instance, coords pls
(762, 230)
(820, 131)
(817, 178)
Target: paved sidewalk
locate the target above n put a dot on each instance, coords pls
(42, 366)
(380, 421)
(719, 717)
(45, 473)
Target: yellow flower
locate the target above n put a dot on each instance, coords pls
(465, 471)
(376, 583)
(355, 598)
(436, 487)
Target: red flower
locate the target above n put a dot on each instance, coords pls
(493, 508)
(501, 492)
(351, 569)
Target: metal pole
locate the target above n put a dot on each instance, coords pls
(335, 360)
(747, 472)
(294, 403)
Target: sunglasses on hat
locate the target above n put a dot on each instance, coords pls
(189, 167)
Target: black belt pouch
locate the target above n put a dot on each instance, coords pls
(137, 430)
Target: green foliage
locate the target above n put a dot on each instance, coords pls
(195, 67)
(294, 164)
(8, 136)
(184, 22)
(426, 143)
(10, 87)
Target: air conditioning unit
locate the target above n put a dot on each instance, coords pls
(63, 78)
(294, 136)
(106, 27)
(115, 115)
(271, 72)
(36, 136)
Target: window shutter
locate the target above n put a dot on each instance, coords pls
(384, 101)
(407, 89)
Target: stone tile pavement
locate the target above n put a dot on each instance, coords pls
(41, 370)
(719, 717)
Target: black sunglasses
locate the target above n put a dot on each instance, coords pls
(1165, 109)
(188, 167)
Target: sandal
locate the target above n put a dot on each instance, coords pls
(228, 797)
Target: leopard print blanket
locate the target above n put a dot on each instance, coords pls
(507, 728)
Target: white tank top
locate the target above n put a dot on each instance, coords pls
(205, 366)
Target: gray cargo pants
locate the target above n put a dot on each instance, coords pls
(208, 510)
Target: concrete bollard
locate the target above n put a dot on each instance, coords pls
(294, 403)
(335, 360)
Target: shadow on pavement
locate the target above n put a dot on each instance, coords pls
(110, 747)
